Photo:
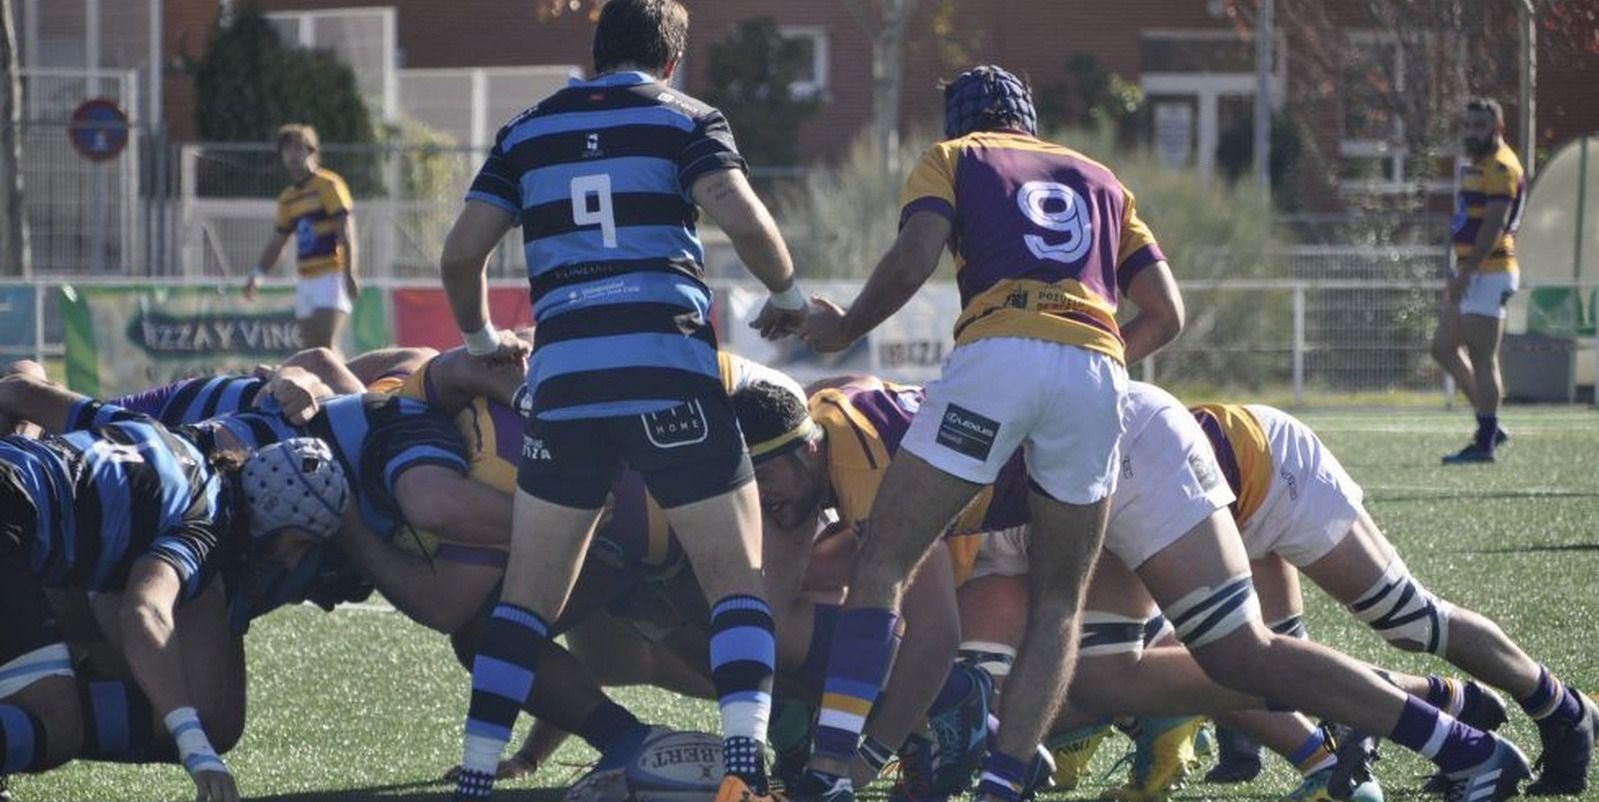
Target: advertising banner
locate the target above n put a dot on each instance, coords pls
(422, 316)
(127, 338)
(16, 309)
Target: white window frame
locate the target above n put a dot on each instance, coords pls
(820, 59)
(305, 26)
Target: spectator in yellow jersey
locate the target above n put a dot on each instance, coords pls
(1487, 212)
(316, 211)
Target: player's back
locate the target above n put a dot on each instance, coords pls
(118, 486)
(195, 399)
(599, 177)
(1044, 238)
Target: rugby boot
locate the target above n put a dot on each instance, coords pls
(1040, 775)
(814, 786)
(915, 782)
(1163, 757)
(1472, 453)
(1073, 751)
(1501, 436)
(1493, 779)
(1314, 789)
(1357, 753)
(1485, 710)
(1567, 753)
(1239, 760)
(960, 735)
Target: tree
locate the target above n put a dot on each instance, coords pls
(752, 72)
(14, 254)
(885, 22)
(248, 82)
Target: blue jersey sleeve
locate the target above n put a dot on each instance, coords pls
(91, 414)
(497, 182)
(188, 549)
(708, 149)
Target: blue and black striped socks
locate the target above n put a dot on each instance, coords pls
(743, 660)
(502, 677)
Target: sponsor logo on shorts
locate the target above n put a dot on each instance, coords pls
(1205, 470)
(682, 425)
(533, 449)
(1127, 467)
(1292, 482)
(966, 432)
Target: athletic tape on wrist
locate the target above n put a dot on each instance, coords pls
(790, 300)
(482, 342)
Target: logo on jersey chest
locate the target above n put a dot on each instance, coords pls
(966, 432)
(591, 146)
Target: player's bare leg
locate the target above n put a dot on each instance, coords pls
(1448, 349)
(322, 328)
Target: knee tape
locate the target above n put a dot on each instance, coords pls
(1155, 629)
(1404, 613)
(995, 658)
(1293, 626)
(1108, 633)
(1210, 614)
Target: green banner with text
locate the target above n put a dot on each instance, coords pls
(122, 339)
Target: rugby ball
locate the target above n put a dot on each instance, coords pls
(675, 766)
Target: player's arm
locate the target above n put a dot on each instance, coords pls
(326, 366)
(298, 392)
(901, 272)
(439, 499)
(154, 653)
(351, 249)
(26, 397)
(374, 365)
(1160, 314)
(726, 195)
(463, 263)
(1495, 213)
(455, 378)
(412, 584)
(263, 263)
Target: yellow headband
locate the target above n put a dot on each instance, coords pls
(783, 442)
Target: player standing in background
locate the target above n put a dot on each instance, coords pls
(317, 212)
(1044, 239)
(1487, 212)
(603, 178)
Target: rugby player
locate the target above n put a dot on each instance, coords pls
(145, 519)
(603, 178)
(1488, 209)
(1044, 241)
(1170, 526)
(1296, 501)
(317, 211)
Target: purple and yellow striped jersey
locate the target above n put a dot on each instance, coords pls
(313, 210)
(1243, 452)
(1495, 177)
(1044, 238)
(864, 424)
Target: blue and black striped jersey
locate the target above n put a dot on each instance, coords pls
(375, 437)
(120, 487)
(599, 175)
(193, 400)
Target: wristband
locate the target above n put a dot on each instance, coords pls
(194, 749)
(484, 341)
(789, 300)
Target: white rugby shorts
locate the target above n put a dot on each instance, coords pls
(47, 661)
(1170, 480)
(1487, 293)
(326, 291)
(1311, 503)
(1002, 553)
(1060, 401)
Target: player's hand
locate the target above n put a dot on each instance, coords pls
(513, 351)
(215, 786)
(252, 285)
(1456, 289)
(514, 767)
(823, 329)
(300, 400)
(776, 323)
(352, 286)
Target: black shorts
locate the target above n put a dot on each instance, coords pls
(688, 453)
(29, 622)
(19, 518)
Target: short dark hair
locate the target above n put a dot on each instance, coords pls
(1489, 105)
(773, 419)
(646, 33)
(299, 132)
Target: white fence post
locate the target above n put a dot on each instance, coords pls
(1299, 344)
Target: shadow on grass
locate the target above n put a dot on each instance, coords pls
(415, 792)
(1553, 547)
